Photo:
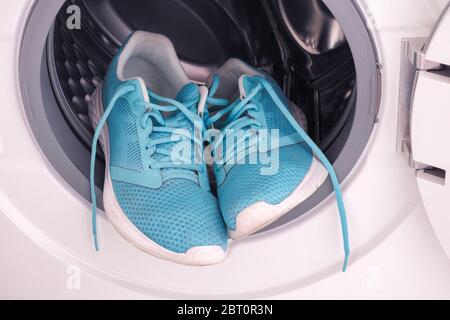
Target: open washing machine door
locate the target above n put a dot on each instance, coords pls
(430, 113)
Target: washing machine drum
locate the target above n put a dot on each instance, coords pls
(206, 34)
(315, 66)
(320, 53)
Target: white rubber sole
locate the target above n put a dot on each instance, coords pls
(261, 214)
(197, 256)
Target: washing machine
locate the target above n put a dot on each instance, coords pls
(373, 78)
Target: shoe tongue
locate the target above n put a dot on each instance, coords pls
(188, 93)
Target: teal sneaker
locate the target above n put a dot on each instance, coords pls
(156, 195)
(261, 124)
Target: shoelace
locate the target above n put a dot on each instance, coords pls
(238, 118)
(153, 114)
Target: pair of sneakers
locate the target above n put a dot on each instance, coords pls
(158, 130)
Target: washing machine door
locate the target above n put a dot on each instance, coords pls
(430, 129)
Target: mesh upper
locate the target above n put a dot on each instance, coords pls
(178, 216)
(245, 186)
(274, 118)
(125, 148)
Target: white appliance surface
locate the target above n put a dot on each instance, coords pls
(46, 246)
